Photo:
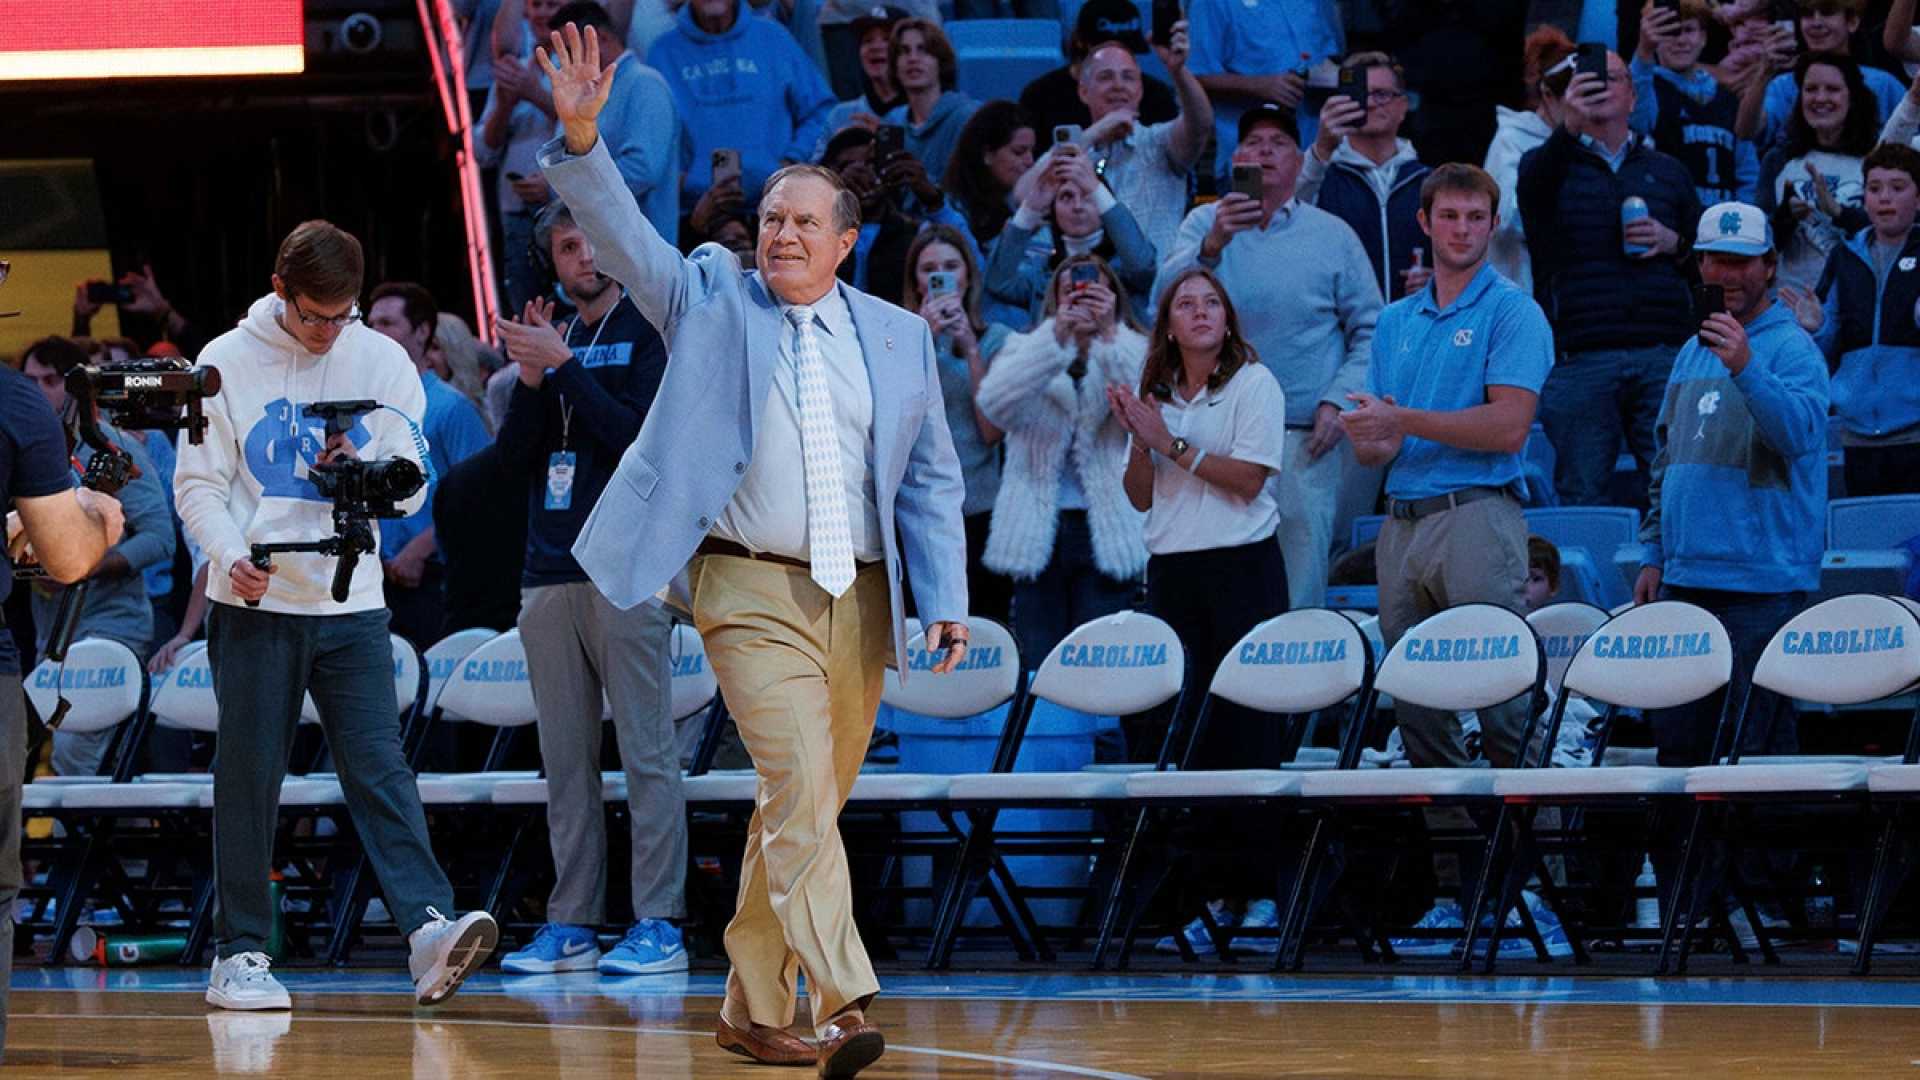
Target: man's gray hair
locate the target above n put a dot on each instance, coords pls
(846, 205)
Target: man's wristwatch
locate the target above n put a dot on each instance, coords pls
(1178, 448)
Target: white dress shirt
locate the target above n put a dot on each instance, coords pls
(769, 510)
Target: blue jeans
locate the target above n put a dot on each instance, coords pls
(1593, 401)
(1070, 591)
(263, 662)
(1685, 735)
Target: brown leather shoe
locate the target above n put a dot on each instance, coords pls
(849, 1046)
(766, 1045)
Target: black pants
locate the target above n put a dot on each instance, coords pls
(1883, 470)
(1069, 592)
(989, 595)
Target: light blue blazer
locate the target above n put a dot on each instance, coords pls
(722, 329)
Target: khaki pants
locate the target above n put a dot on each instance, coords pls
(1475, 553)
(801, 673)
(1308, 492)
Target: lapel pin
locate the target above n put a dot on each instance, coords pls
(889, 343)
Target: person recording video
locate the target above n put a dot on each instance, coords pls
(296, 626)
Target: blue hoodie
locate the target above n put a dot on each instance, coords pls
(750, 89)
(1739, 488)
(1869, 336)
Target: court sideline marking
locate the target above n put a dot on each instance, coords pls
(924, 1051)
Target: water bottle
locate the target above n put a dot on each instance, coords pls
(1646, 904)
(1633, 209)
(277, 899)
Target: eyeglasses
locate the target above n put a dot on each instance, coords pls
(1384, 97)
(338, 322)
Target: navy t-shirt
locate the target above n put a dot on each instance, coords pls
(33, 462)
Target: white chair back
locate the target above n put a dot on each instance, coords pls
(183, 694)
(1563, 628)
(103, 682)
(1295, 663)
(1845, 651)
(491, 685)
(1655, 656)
(693, 684)
(1124, 663)
(443, 658)
(1473, 656)
(985, 680)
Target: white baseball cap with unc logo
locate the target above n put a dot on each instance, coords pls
(1734, 228)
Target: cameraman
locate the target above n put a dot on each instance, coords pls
(70, 530)
(116, 605)
(249, 482)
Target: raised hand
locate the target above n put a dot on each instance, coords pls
(580, 85)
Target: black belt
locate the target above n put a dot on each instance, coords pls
(1415, 509)
(713, 545)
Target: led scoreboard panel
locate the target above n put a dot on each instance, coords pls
(121, 39)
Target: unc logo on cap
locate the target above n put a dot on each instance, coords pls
(1730, 223)
(1463, 337)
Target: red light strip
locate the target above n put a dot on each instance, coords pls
(438, 14)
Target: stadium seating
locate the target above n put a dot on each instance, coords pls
(999, 57)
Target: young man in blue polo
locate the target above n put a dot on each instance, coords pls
(1739, 488)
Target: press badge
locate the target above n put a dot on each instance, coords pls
(560, 480)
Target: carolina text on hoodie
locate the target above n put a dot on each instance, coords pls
(249, 481)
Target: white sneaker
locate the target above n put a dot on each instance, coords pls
(245, 981)
(444, 953)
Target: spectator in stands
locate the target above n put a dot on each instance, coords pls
(1686, 111)
(1146, 166)
(156, 319)
(893, 198)
(1606, 388)
(1308, 299)
(878, 96)
(640, 121)
(1456, 373)
(1062, 528)
(994, 151)
(1866, 328)
(462, 361)
(517, 119)
(1204, 436)
(1812, 184)
(476, 39)
(584, 390)
(1053, 99)
(1080, 217)
(944, 286)
(925, 68)
(415, 573)
(1518, 131)
(1462, 58)
(1904, 124)
(1768, 100)
(844, 39)
(742, 84)
(1740, 486)
(117, 607)
(1543, 574)
(1248, 54)
(1362, 172)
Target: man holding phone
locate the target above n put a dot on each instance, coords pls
(1361, 171)
(1739, 487)
(1307, 299)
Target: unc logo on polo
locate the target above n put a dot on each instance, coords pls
(1113, 656)
(95, 678)
(985, 658)
(495, 671)
(1652, 646)
(1465, 650)
(1293, 653)
(1848, 642)
(1463, 337)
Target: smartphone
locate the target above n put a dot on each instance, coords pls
(1708, 300)
(1066, 135)
(941, 282)
(106, 292)
(1590, 58)
(514, 177)
(1667, 5)
(1353, 87)
(726, 166)
(1083, 275)
(1165, 14)
(888, 140)
(1249, 180)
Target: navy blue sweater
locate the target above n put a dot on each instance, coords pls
(1597, 296)
(592, 407)
(1390, 232)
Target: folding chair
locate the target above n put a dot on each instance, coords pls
(1474, 656)
(1897, 787)
(1291, 667)
(1655, 656)
(1118, 665)
(1844, 651)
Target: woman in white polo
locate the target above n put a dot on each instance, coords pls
(1207, 429)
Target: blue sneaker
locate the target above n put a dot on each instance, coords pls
(1552, 934)
(1261, 915)
(1444, 915)
(652, 947)
(1196, 932)
(556, 947)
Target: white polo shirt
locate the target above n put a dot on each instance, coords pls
(1246, 421)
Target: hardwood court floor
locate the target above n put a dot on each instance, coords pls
(357, 1026)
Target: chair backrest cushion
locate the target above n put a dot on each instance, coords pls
(1845, 651)
(1654, 656)
(984, 680)
(102, 680)
(183, 694)
(491, 685)
(1295, 663)
(1469, 657)
(1563, 628)
(1120, 664)
(692, 686)
(407, 672)
(443, 657)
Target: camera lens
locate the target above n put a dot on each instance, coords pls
(393, 479)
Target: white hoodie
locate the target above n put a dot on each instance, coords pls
(1516, 133)
(247, 482)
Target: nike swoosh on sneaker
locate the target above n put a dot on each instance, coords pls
(575, 948)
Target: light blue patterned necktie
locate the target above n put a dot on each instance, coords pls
(829, 533)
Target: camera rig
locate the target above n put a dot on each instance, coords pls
(361, 491)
